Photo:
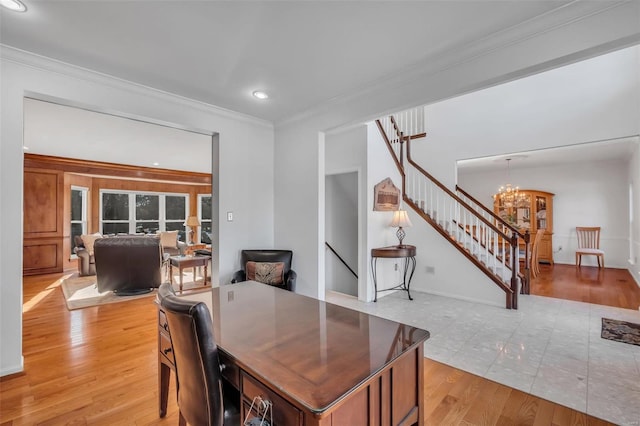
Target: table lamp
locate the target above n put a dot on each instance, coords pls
(193, 223)
(400, 220)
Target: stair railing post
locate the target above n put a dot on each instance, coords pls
(527, 264)
(514, 270)
(404, 174)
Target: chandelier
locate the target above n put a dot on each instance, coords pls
(509, 195)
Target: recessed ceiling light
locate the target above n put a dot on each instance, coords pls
(156, 164)
(26, 148)
(15, 5)
(260, 95)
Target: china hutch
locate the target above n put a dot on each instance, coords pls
(531, 210)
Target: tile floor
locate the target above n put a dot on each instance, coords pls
(550, 348)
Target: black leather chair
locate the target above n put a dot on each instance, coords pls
(128, 265)
(198, 377)
(271, 256)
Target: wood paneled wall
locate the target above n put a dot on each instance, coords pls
(47, 202)
(42, 250)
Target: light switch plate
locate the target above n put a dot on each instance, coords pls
(229, 216)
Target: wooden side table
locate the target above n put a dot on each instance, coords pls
(405, 252)
(182, 262)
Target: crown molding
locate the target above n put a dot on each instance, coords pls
(43, 63)
(562, 17)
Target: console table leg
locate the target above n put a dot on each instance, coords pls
(373, 275)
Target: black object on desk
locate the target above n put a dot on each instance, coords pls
(406, 252)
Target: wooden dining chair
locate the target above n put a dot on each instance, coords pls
(589, 244)
(534, 266)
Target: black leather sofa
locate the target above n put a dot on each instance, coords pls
(270, 256)
(128, 265)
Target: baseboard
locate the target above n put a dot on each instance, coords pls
(13, 369)
(466, 299)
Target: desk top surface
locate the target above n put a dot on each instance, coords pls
(313, 351)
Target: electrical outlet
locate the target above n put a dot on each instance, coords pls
(560, 248)
(395, 267)
(431, 270)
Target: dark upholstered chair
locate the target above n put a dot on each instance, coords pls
(198, 377)
(86, 261)
(128, 265)
(269, 257)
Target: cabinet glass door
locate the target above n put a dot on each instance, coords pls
(541, 212)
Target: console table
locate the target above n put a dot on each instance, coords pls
(405, 252)
(317, 364)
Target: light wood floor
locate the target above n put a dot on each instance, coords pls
(98, 366)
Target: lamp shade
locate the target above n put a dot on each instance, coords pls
(400, 219)
(192, 221)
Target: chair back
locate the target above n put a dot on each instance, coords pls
(588, 237)
(127, 264)
(284, 256)
(196, 359)
(533, 266)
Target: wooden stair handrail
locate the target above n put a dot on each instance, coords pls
(510, 289)
(454, 196)
(386, 141)
(491, 213)
(507, 289)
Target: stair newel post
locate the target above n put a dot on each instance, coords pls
(527, 264)
(514, 270)
(404, 175)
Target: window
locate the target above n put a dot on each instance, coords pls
(78, 214)
(205, 216)
(142, 212)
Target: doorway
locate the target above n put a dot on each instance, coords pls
(341, 233)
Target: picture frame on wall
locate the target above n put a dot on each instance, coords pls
(386, 196)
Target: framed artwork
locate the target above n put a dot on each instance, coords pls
(386, 196)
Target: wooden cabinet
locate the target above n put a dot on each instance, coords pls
(532, 211)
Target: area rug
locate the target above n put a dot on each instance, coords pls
(82, 292)
(621, 331)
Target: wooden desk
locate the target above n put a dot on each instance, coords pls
(319, 364)
(182, 262)
(406, 252)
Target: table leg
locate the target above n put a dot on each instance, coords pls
(170, 273)
(205, 273)
(164, 374)
(374, 265)
(180, 272)
(407, 283)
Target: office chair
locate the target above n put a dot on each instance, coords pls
(198, 377)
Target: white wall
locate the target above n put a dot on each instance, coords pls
(59, 130)
(245, 174)
(299, 206)
(634, 231)
(346, 151)
(588, 101)
(341, 232)
(586, 194)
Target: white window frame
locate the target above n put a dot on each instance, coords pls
(200, 197)
(162, 221)
(83, 220)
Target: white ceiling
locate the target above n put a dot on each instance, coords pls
(303, 53)
(611, 150)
